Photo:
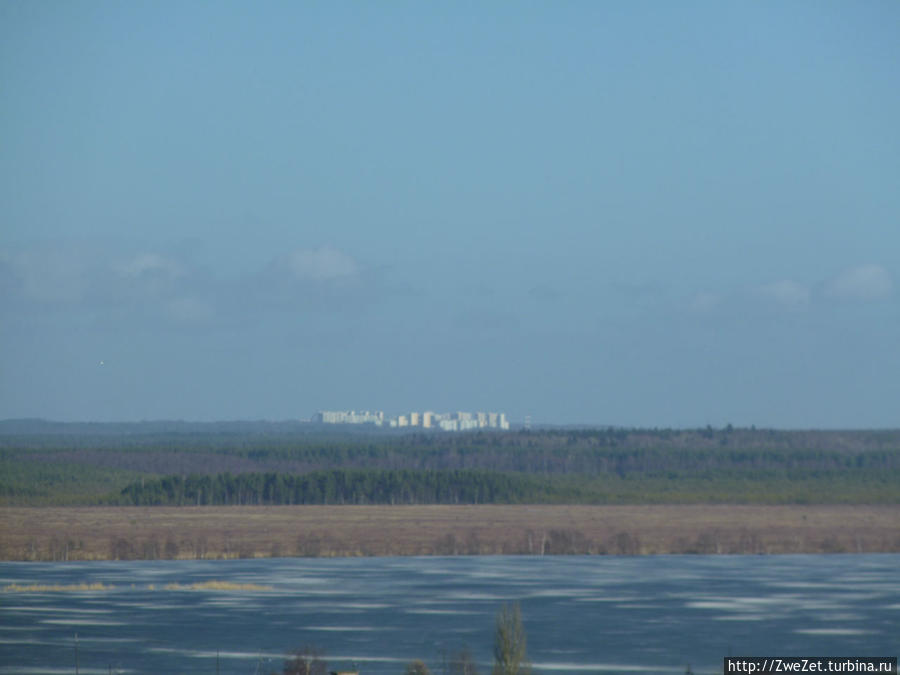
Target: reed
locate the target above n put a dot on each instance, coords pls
(216, 585)
(212, 585)
(56, 588)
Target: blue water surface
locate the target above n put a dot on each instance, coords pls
(584, 614)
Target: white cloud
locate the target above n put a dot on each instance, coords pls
(78, 274)
(47, 278)
(786, 292)
(321, 264)
(156, 284)
(860, 284)
(863, 283)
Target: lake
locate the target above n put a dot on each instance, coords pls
(582, 614)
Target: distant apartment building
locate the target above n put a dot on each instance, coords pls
(458, 421)
(448, 425)
(349, 417)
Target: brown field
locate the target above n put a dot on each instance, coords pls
(109, 533)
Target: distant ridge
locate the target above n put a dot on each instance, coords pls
(37, 426)
(886, 439)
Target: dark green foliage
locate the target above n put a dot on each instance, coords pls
(259, 463)
(341, 486)
(358, 486)
(49, 483)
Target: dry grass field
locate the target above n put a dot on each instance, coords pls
(109, 533)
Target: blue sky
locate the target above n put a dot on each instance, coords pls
(656, 214)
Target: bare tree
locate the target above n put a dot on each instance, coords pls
(306, 661)
(417, 667)
(510, 654)
(463, 663)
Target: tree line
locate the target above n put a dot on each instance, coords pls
(337, 486)
(544, 453)
(475, 486)
(91, 464)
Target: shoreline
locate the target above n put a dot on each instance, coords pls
(210, 533)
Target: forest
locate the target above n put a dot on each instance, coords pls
(294, 463)
(403, 486)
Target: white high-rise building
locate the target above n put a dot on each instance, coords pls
(458, 421)
(349, 417)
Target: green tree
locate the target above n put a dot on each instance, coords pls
(510, 653)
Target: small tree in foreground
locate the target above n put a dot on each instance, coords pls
(462, 662)
(510, 654)
(417, 667)
(306, 661)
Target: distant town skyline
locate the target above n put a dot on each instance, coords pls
(426, 419)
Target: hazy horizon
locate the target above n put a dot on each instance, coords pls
(640, 215)
(516, 425)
